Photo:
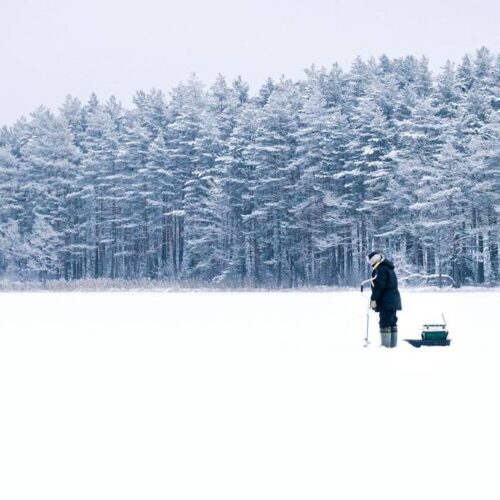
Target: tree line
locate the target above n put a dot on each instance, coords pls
(292, 186)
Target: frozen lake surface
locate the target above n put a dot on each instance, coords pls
(245, 396)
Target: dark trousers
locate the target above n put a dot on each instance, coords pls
(387, 318)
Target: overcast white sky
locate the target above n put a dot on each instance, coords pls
(51, 48)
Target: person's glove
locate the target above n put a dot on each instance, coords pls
(373, 304)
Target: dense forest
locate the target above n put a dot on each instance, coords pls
(290, 186)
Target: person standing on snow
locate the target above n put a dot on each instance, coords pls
(385, 298)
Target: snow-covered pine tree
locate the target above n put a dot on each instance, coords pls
(99, 184)
(143, 169)
(314, 150)
(185, 110)
(275, 179)
(50, 164)
(237, 178)
(11, 247)
(205, 208)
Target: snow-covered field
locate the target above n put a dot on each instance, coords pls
(245, 396)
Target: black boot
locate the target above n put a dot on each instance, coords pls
(394, 336)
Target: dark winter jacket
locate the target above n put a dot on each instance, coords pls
(385, 287)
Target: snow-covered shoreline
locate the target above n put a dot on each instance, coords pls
(156, 286)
